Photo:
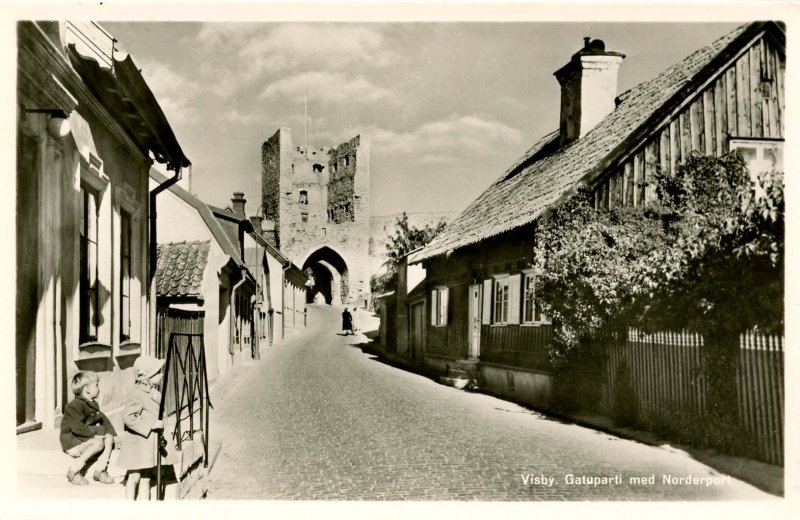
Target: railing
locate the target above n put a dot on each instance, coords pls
(185, 393)
(91, 39)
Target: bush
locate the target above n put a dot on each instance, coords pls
(625, 410)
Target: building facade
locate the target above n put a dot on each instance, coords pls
(481, 313)
(315, 204)
(87, 126)
(223, 289)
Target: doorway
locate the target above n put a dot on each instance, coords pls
(474, 321)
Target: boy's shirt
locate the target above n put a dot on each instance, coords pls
(83, 420)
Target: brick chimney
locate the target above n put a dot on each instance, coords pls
(256, 220)
(588, 89)
(238, 202)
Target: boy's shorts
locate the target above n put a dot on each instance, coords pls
(78, 450)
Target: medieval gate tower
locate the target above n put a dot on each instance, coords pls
(317, 202)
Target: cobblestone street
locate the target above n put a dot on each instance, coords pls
(316, 418)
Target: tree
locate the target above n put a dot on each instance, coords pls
(706, 255)
(403, 240)
(407, 238)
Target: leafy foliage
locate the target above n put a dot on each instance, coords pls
(406, 238)
(706, 255)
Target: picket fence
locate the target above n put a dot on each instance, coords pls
(666, 373)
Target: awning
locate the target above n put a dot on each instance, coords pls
(124, 92)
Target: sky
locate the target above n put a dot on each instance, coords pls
(448, 106)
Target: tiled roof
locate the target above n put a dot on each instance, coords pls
(545, 173)
(206, 214)
(180, 267)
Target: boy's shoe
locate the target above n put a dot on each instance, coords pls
(103, 476)
(76, 478)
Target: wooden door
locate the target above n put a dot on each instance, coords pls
(417, 324)
(474, 321)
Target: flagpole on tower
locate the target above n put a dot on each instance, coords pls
(305, 120)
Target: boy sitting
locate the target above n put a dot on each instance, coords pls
(86, 431)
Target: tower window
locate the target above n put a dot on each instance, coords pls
(303, 197)
(304, 217)
(346, 160)
(318, 168)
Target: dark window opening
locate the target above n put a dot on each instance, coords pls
(88, 282)
(125, 277)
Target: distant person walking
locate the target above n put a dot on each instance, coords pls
(347, 322)
(356, 322)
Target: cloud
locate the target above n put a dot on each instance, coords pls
(174, 92)
(284, 48)
(327, 87)
(446, 141)
(237, 117)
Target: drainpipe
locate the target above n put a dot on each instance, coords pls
(234, 293)
(153, 215)
(153, 250)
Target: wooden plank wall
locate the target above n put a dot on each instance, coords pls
(666, 374)
(516, 345)
(733, 105)
(451, 340)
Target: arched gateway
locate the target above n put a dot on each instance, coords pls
(329, 277)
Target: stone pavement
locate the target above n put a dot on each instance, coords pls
(317, 419)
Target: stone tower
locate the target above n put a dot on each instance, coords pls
(316, 209)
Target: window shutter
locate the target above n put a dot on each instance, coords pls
(486, 317)
(443, 294)
(434, 305)
(514, 299)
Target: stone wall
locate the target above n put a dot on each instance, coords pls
(319, 197)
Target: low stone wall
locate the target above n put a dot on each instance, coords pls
(437, 364)
(523, 386)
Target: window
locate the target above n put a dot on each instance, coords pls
(304, 217)
(501, 290)
(125, 276)
(501, 300)
(761, 155)
(346, 161)
(303, 197)
(531, 312)
(89, 262)
(439, 297)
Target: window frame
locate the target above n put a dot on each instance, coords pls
(538, 317)
(89, 310)
(760, 144)
(501, 280)
(125, 275)
(127, 204)
(440, 305)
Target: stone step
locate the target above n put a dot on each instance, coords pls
(456, 382)
(455, 372)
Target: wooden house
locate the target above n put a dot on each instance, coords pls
(481, 312)
(88, 129)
